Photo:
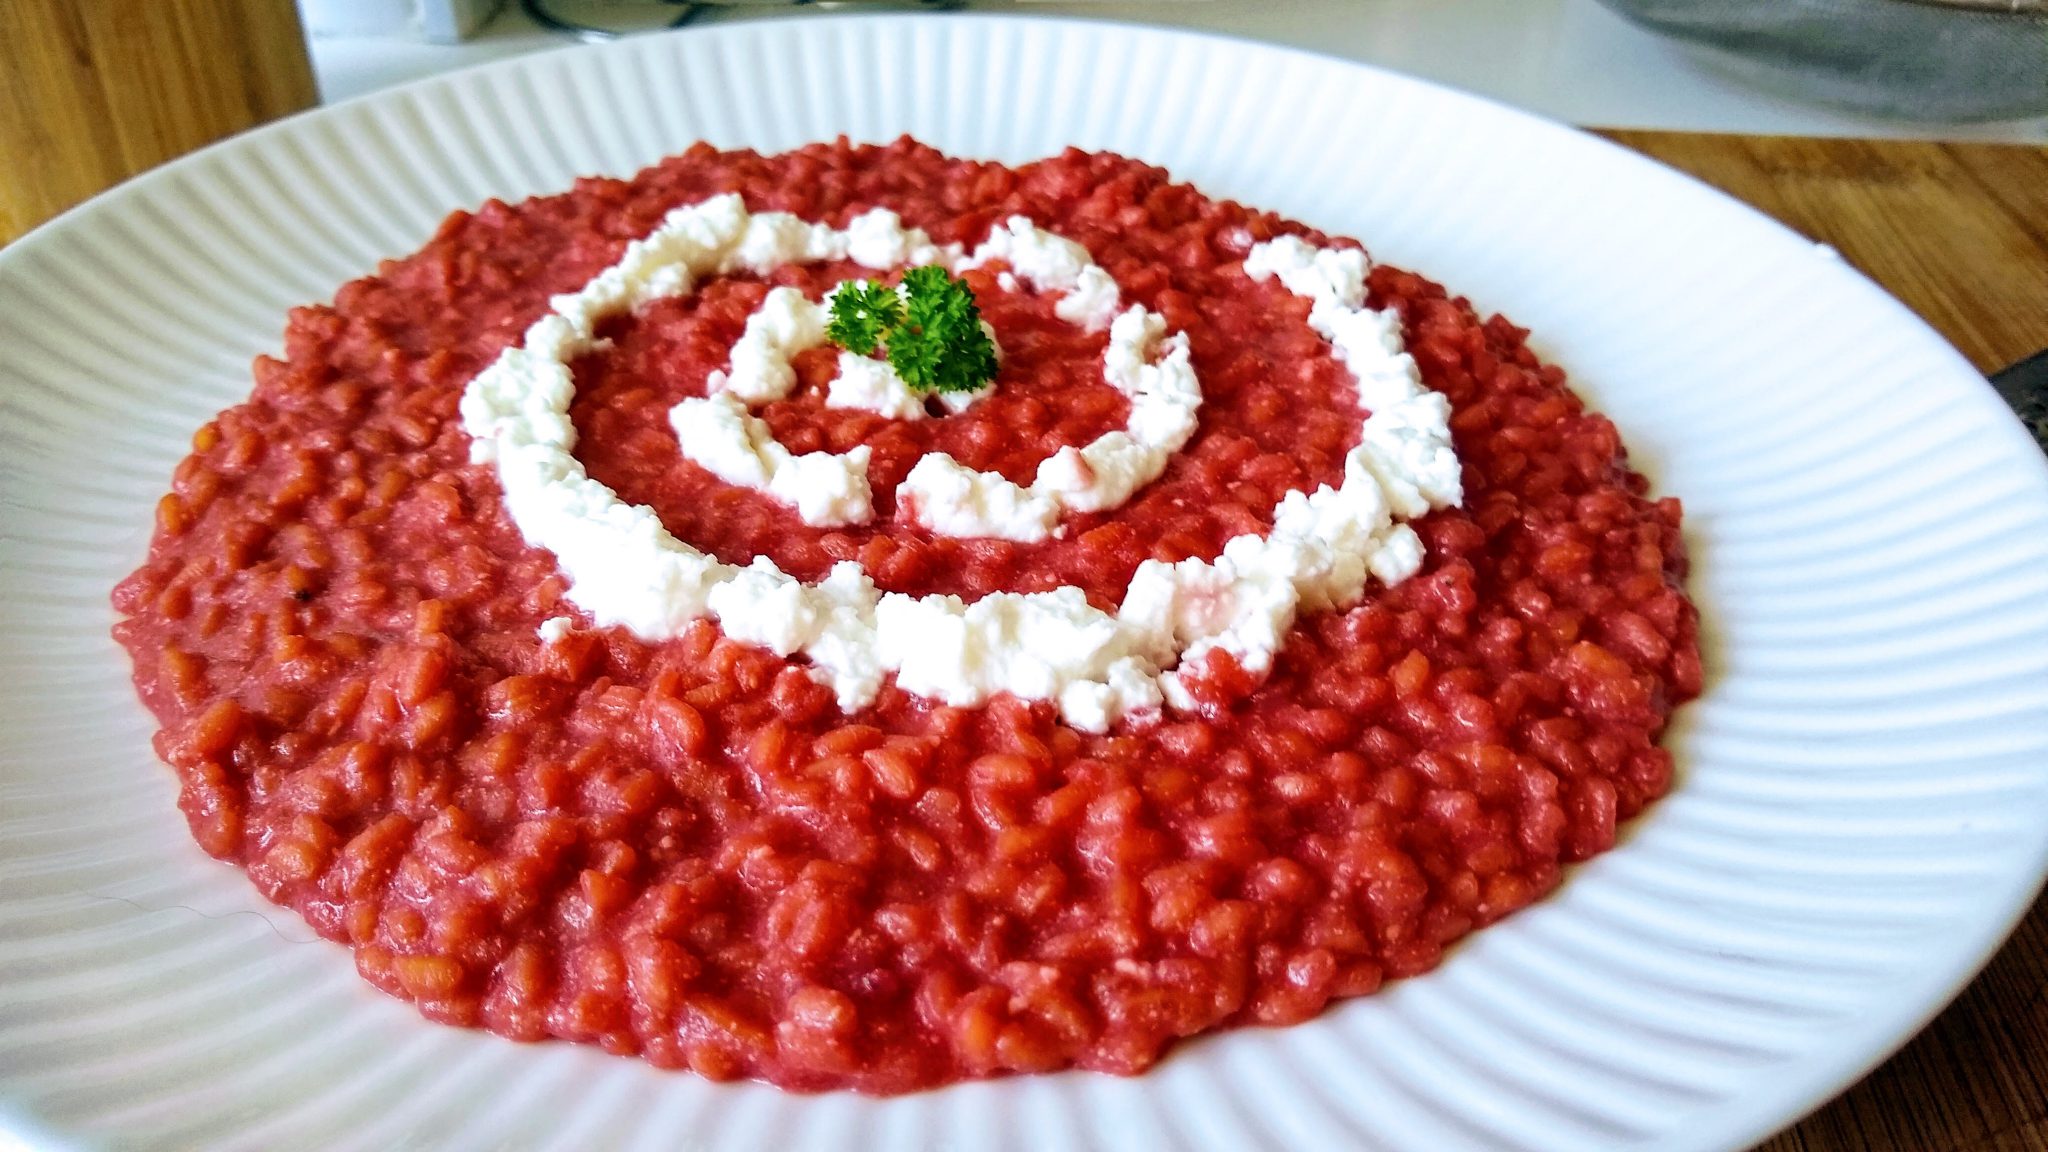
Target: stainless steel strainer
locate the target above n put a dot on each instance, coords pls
(1909, 59)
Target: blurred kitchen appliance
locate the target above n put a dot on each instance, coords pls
(435, 21)
(604, 19)
(1909, 59)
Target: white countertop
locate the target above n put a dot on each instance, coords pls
(1568, 59)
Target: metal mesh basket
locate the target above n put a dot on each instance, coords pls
(1911, 59)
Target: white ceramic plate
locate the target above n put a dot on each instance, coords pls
(1863, 802)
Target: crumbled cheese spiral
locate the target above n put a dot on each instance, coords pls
(626, 570)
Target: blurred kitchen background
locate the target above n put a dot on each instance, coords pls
(1935, 69)
(92, 91)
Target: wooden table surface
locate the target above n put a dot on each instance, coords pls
(1959, 232)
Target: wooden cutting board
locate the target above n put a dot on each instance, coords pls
(94, 91)
(1959, 232)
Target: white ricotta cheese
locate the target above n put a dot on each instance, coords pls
(1033, 645)
(1323, 544)
(948, 497)
(872, 384)
(877, 239)
(1092, 302)
(827, 489)
(760, 604)
(845, 650)
(866, 383)
(785, 324)
(954, 500)
(626, 570)
(943, 496)
(1049, 262)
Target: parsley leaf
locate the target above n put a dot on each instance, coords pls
(932, 333)
(861, 313)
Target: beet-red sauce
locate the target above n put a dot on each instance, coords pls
(686, 851)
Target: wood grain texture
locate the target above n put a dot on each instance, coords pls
(97, 90)
(1959, 232)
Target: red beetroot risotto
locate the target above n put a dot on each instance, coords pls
(686, 850)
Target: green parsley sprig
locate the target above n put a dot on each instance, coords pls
(932, 331)
(862, 313)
